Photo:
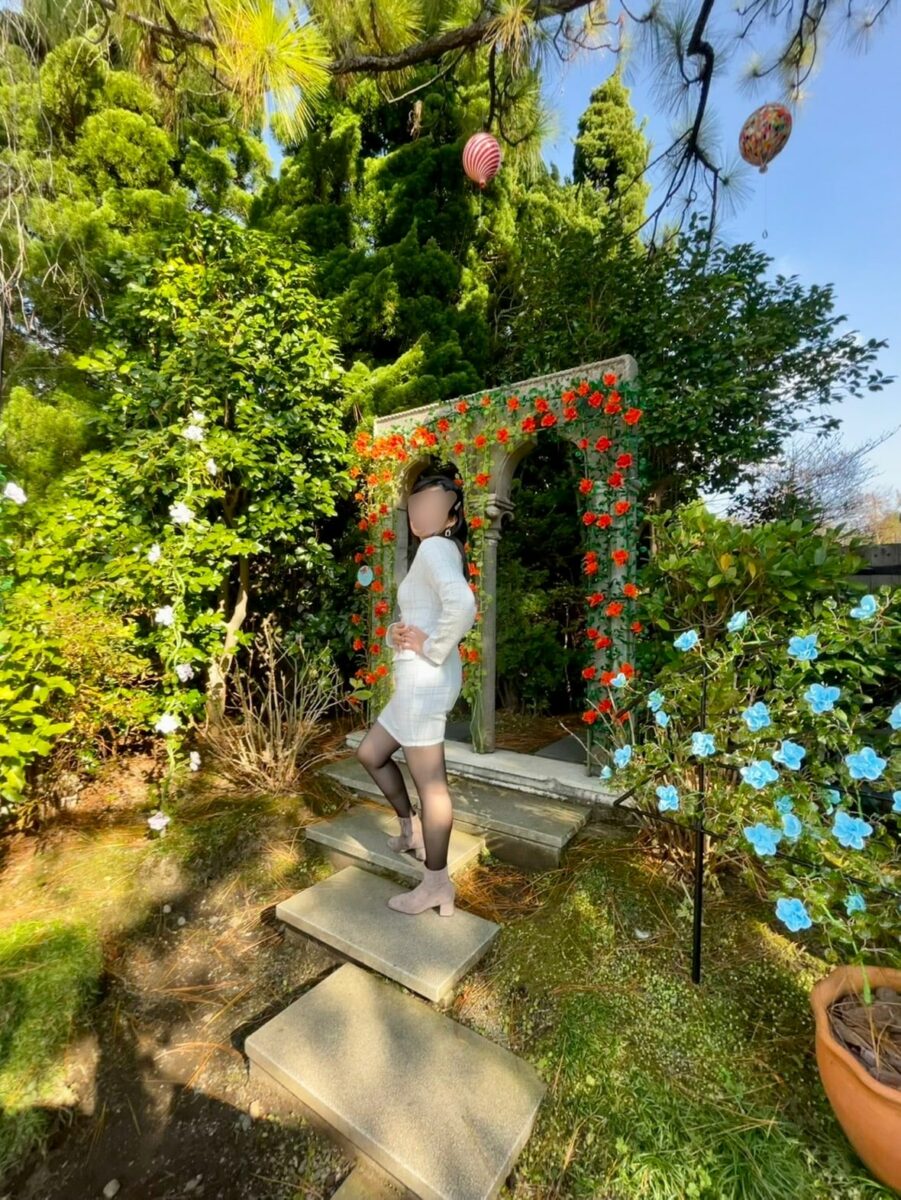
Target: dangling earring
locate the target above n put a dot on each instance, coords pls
(447, 532)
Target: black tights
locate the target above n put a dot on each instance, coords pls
(429, 771)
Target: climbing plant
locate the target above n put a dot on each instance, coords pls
(601, 417)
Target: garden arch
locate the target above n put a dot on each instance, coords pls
(487, 434)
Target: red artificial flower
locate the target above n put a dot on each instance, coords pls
(480, 440)
(585, 486)
(358, 557)
(568, 396)
(358, 643)
(621, 507)
(595, 399)
(363, 525)
(591, 633)
(583, 443)
(482, 479)
(528, 425)
(624, 460)
(591, 567)
(627, 669)
(461, 406)
(595, 598)
(609, 378)
(476, 523)
(589, 518)
(590, 716)
(632, 416)
(622, 717)
(612, 406)
(615, 479)
(503, 435)
(636, 627)
(620, 557)
(606, 705)
(387, 535)
(602, 444)
(356, 618)
(604, 520)
(459, 447)
(381, 670)
(603, 643)
(370, 549)
(381, 608)
(486, 400)
(548, 420)
(513, 403)
(583, 387)
(614, 609)
(570, 413)
(589, 672)
(630, 590)
(607, 677)
(541, 404)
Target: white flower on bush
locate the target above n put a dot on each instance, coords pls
(158, 822)
(180, 513)
(184, 671)
(197, 416)
(164, 615)
(194, 433)
(194, 760)
(168, 723)
(153, 554)
(211, 466)
(12, 491)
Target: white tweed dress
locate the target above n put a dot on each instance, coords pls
(435, 596)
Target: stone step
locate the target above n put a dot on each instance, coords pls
(361, 1185)
(359, 838)
(519, 827)
(425, 952)
(524, 772)
(439, 1107)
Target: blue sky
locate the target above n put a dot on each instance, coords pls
(829, 202)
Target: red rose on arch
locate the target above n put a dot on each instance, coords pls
(589, 716)
(602, 444)
(595, 399)
(604, 520)
(548, 420)
(615, 479)
(632, 416)
(609, 378)
(585, 486)
(528, 425)
(461, 406)
(620, 557)
(513, 403)
(624, 460)
(621, 507)
(541, 404)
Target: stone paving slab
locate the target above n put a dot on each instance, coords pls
(360, 836)
(438, 1106)
(531, 817)
(425, 952)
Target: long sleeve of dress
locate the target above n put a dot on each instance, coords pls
(441, 559)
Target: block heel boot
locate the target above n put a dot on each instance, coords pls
(410, 838)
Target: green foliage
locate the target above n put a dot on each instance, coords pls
(705, 567)
(42, 439)
(611, 152)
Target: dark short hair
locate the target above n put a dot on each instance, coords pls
(459, 531)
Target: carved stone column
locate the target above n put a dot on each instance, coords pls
(483, 723)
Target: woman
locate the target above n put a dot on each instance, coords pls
(437, 609)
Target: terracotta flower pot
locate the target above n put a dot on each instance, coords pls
(868, 1111)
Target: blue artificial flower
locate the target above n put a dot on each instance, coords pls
(759, 774)
(868, 607)
(791, 826)
(662, 718)
(855, 903)
(793, 913)
(785, 804)
(737, 622)
(687, 640)
(606, 772)
(865, 764)
(896, 802)
(669, 798)
(850, 831)
(757, 716)
(894, 717)
(618, 681)
(764, 838)
(804, 649)
(821, 699)
(622, 755)
(655, 701)
(789, 754)
(833, 797)
(702, 745)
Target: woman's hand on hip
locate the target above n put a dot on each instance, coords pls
(409, 637)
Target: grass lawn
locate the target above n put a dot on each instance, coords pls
(121, 1024)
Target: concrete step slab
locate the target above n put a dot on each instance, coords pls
(442, 1109)
(520, 827)
(359, 838)
(526, 772)
(425, 952)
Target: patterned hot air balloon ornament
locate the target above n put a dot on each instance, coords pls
(364, 575)
(481, 158)
(764, 134)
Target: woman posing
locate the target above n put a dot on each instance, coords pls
(437, 609)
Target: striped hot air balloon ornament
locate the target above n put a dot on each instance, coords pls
(481, 158)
